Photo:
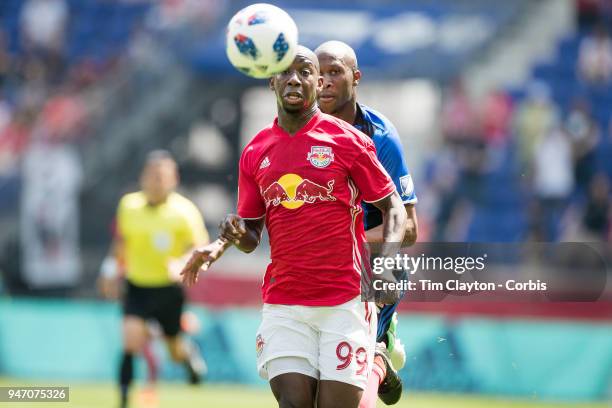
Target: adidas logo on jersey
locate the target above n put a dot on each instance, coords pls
(265, 163)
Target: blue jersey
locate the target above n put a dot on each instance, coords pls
(391, 156)
(390, 153)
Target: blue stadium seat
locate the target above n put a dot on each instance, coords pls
(92, 22)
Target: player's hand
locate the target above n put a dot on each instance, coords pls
(201, 259)
(109, 281)
(233, 228)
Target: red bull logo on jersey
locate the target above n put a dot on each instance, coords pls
(259, 345)
(292, 191)
(320, 156)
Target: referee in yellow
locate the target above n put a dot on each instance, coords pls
(155, 228)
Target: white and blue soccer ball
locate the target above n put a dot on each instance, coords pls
(261, 40)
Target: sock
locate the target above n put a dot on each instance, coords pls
(380, 369)
(370, 394)
(195, 364)
(125, 376)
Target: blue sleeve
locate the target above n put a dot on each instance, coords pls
(390, 154)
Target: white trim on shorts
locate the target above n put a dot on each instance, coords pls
(287, 365)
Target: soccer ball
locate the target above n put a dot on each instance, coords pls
(261, 40)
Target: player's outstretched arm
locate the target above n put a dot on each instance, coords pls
(394, 223)
(201, 259)
(245, 234)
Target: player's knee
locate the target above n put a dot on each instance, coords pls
(335, 394)
(133, 344)
(176, 354)
(176, 348)
(294, 390)
(295, 400)
(134, 335)
(294, 397)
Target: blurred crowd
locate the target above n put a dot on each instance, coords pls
(43, 97)
(560, 162)
(548, 165)
(595, 57)
(45, 81)
(46, 107)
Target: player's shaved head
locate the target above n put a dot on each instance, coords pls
(338, 68)
(307, 53)
(340, 50)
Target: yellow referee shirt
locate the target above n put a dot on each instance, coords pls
(154, 235)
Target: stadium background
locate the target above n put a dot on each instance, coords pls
(504, 109)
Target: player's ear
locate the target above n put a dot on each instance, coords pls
(320, 83)
(356, 76)
(271, 83)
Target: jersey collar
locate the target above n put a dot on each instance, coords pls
(309, 125)
(362, 121)
(365, 122)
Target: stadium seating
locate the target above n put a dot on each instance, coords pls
(398, 39)
(493, 219)
(499, 213)
(97, 29)
(561, 76)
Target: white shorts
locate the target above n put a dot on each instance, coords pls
(330, 342)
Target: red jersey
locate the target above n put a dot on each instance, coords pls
(309, 186)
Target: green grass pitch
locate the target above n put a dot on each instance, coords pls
(236, 396)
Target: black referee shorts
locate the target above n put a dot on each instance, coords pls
(164, 304)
